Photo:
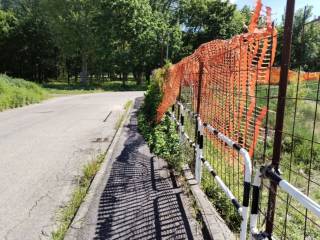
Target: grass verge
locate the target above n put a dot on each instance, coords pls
(64, 88)
(122, 117)
(18, 92)
(89, 171)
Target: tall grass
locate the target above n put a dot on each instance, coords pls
(18, 92)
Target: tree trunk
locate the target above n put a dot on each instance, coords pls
(84, 70)
(68, 77)
(75, 77)
(139, 78)
(124, 79)
(148, 76)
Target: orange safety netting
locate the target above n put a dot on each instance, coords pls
(231, 70)
(293, 76)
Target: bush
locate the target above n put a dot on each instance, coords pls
(18, 92)
(162, 138)
(153, 95)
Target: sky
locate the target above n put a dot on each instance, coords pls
(278, 6)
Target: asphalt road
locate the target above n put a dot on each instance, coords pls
(42, 150)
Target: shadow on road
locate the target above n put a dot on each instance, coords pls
(137, 203)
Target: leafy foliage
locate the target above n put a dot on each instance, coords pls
(305, 40)
(162, 138)
(206, 20)
(221, 202)
(43, 39)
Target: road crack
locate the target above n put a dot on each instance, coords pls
(6, 237)
(35, 205)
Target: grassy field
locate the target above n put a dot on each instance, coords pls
(18, 92)
(56, 87)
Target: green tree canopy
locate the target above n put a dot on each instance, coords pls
(42, 39)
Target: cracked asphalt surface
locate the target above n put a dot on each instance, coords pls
(42, 150)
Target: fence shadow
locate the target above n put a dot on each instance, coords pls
(137, 203)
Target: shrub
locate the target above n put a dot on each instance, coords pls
(162, 138)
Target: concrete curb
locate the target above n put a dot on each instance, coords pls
(76, 224)
(214, 225)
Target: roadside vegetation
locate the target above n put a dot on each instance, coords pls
(121, 119)
(162, 138)
(18, 92)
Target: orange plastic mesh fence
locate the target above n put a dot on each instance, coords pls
(293, 76)
(231, 70)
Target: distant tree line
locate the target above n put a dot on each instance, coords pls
(43, 39)
(79, 39)
(305, 52)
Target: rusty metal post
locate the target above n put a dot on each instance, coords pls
(179, 100)
(201, 68)
(198, 140)
(285, 61)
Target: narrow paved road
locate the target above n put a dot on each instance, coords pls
(42, 150)
(136, 199)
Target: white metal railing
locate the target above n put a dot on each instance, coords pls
(266, 172)
(243, 209)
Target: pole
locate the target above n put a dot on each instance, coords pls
(199, 87)
(198, 129)
(285, 61)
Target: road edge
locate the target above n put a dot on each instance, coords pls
(76, 224)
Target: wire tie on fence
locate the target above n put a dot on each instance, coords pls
(271, 173)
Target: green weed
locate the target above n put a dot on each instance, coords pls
(18, 92)
(122, 116)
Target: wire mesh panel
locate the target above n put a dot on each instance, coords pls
(233, 86)
(300, 149)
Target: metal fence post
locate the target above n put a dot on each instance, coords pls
(285, 61)
(181, 121)
(199, 130)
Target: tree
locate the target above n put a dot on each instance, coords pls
(73, 22)
(138, 34)
(246, 14)
(27, 48)
(64, 37)
(206, 20)
(9, 4)
(305, 40)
